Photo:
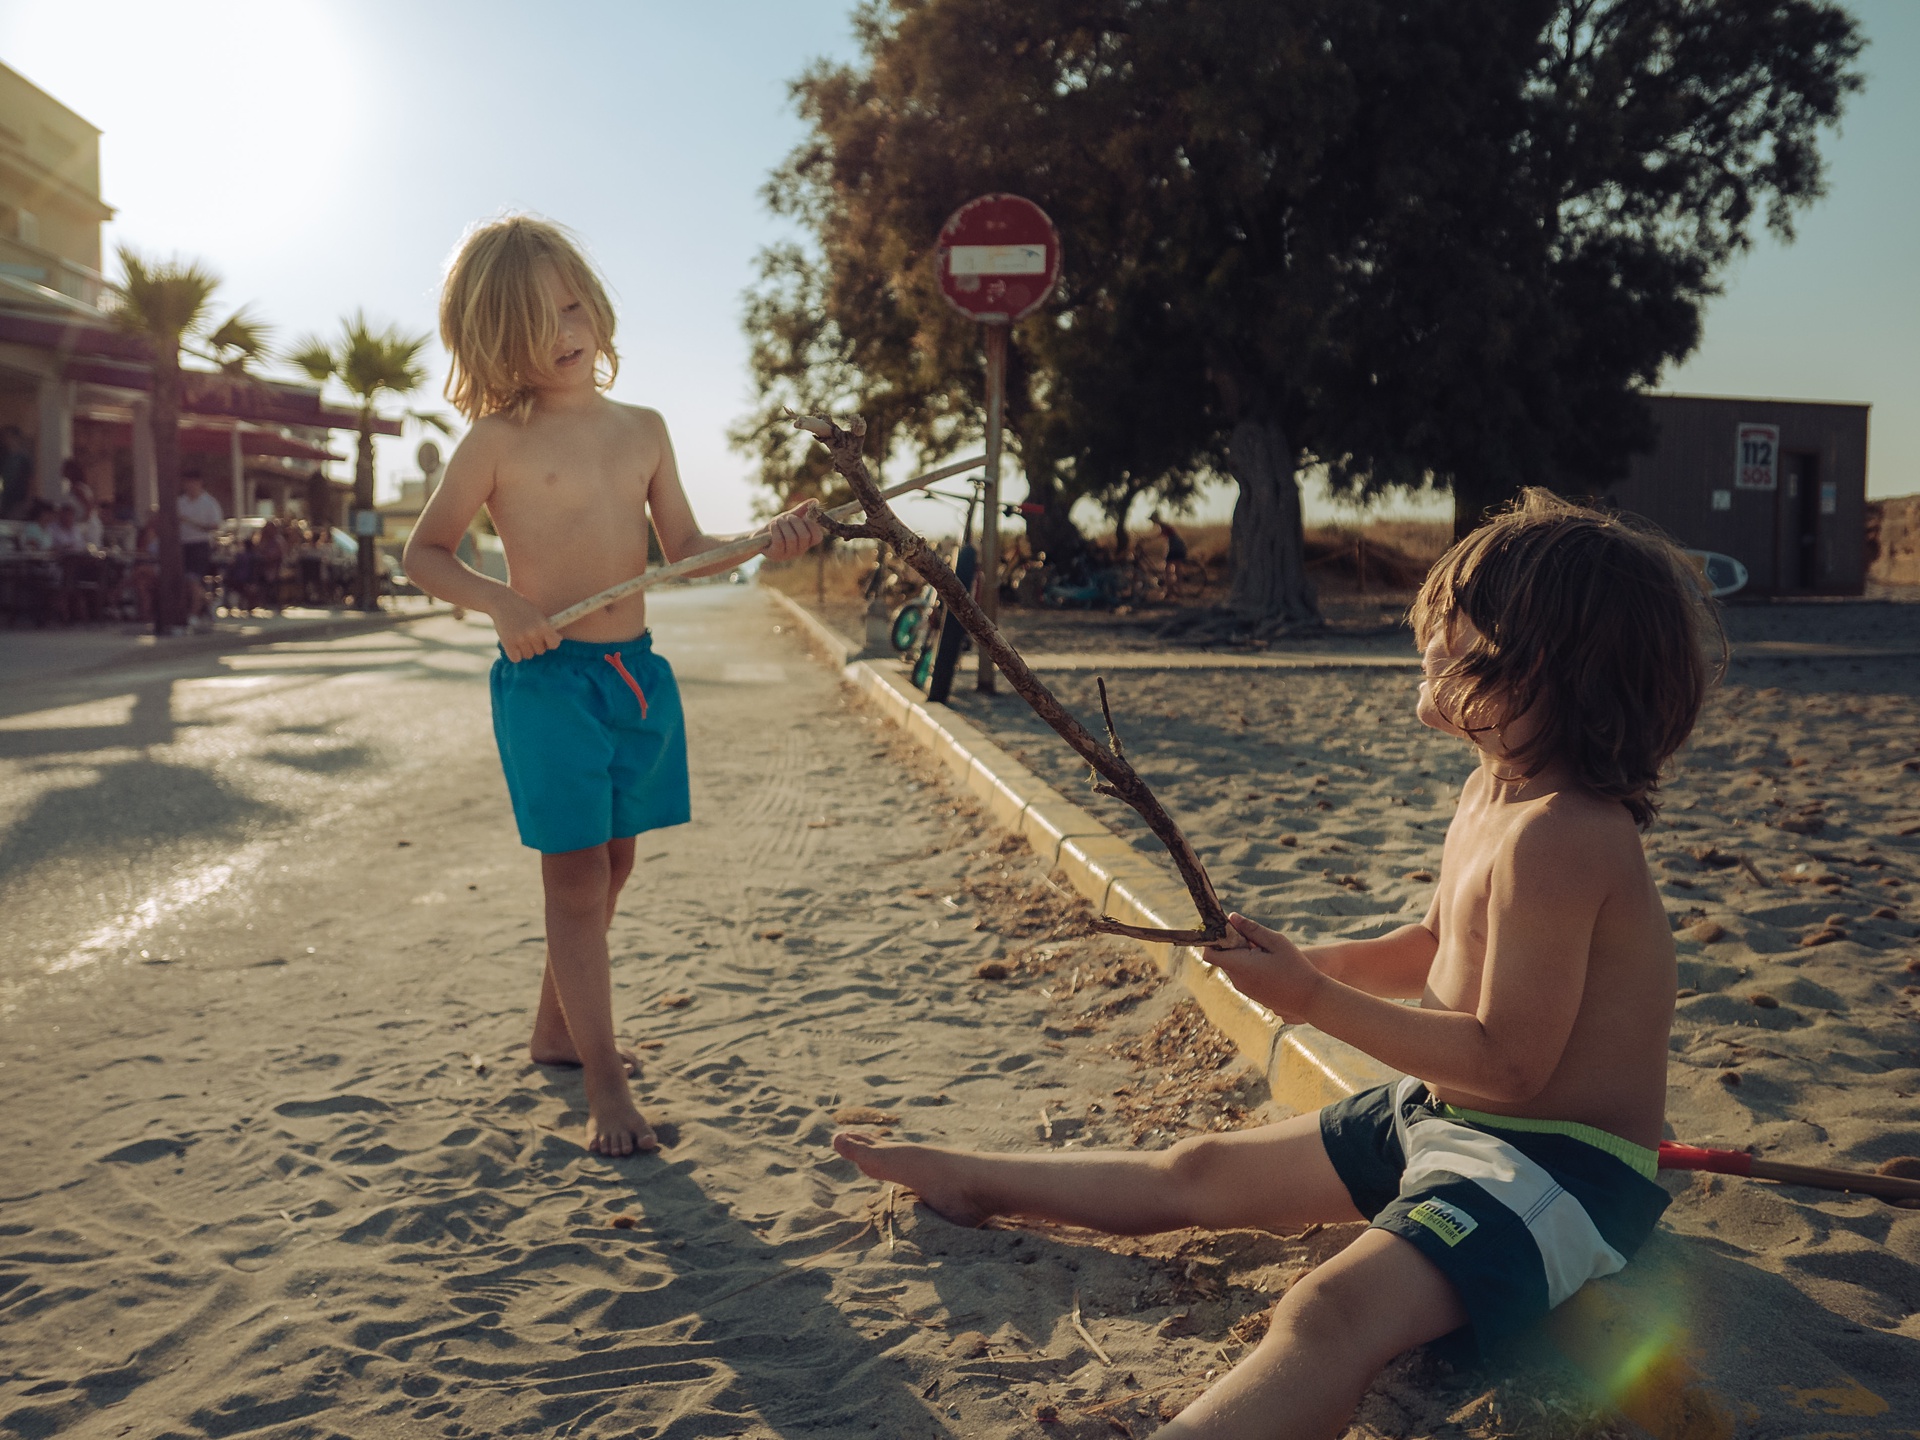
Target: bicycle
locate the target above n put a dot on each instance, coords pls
(932, 663)
(1079, 584)
(1173, 580)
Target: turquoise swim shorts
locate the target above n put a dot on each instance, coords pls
(593, 743)
(1517, 1213)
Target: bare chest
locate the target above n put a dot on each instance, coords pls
(599, 476)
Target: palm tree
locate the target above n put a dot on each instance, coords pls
(236, 344)
(166, 302)
(368, 362)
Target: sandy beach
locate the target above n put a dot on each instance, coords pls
(279, 1166)
(1789, 853)
(287, 1173)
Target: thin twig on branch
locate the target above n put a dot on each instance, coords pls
(843, 445)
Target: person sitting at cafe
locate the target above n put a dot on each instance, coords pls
(62, 537)
(34, 534)
(269, 559)
(312, 563)
(241, 580)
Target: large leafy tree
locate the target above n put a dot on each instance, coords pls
(1555, 248)
(369, 363)
(167, 303)
(855, 316)
(1443, 240)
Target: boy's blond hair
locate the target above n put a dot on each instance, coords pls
(495, 319)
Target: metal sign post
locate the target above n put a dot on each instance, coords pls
(990, 521)
(998, 259)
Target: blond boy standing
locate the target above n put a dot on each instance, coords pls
(588, 723)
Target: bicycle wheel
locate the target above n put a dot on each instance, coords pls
(952, 635)
(1142, 583)
(906, 625)
(1188, 580)
(921, 670)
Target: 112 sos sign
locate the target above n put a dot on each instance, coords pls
(1756, 462)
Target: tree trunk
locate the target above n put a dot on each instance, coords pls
(363, 501)
(170, 576)
(1270, 584)
(1052, 532)
(319, 500)
(1474, 504)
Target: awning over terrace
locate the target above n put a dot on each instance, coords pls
(82, 389)
(92, 355)
(199, 439)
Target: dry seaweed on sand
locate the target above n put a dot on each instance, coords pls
(1194, 1087)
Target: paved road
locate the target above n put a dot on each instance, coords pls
(132, 795)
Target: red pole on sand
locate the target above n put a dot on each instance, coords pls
(1820, 1177)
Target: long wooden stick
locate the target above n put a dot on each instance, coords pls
(1820, 1177)
(1120, 781)
(744, 548)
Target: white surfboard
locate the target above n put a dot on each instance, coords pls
(1724, 574)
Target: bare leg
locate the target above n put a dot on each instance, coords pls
(1277, 1177)
(578, 885)
(1335, 1330)
(551, 1044)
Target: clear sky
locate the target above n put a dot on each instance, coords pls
(325, 155)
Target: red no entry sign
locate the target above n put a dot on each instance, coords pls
(998, 258)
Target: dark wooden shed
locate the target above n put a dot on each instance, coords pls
(1780, 485)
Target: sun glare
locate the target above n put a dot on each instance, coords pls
(226, 122)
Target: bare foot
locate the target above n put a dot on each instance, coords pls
(937, 1176)
(618, 1129)
(548, 1052)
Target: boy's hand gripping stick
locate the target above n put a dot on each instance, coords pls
(743, 549)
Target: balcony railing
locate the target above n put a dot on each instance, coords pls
(54, 272)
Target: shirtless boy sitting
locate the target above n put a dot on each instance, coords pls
(589, 724)
(1565, 646)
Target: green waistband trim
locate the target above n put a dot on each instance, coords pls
(1643, 1160)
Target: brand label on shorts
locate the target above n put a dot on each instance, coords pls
(1449, 1222)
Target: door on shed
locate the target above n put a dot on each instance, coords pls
(1801, 555)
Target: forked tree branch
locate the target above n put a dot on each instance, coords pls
(843, 447)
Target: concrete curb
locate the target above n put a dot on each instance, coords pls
(1304, 1068)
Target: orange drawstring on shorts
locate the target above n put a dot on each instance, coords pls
(632, 684)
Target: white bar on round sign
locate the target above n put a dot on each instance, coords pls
(997, 260)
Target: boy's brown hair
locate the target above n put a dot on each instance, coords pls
(497, 323)
(1595, 621)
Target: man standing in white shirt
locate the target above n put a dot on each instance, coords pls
(200, 516)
